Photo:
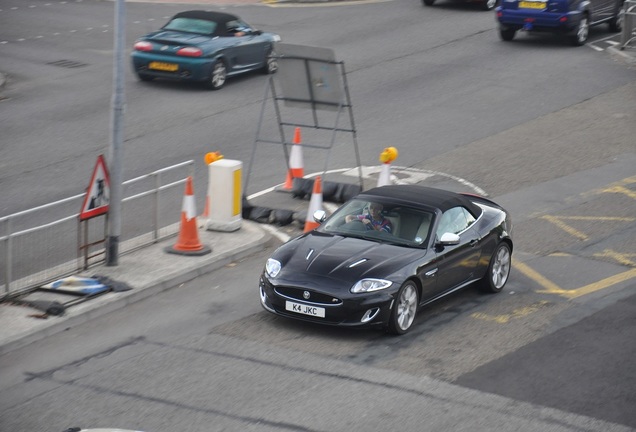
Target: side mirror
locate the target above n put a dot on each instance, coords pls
(320, 216)
(449, 239)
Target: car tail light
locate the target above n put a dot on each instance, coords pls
(142, 46)
(190, 52)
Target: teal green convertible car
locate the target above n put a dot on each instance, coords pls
(206, 47)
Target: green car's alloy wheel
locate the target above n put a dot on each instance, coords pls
(271, 63)
(404, 309)
(218, 76)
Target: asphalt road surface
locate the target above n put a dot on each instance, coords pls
(544, 128)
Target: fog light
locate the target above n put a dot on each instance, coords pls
(369, 315)
(264, 300)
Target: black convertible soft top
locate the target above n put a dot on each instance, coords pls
(221, 18)
(426, 196)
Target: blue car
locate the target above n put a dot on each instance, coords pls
(206, 47)
(572, 18)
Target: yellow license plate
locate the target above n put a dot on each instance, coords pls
(532, 5)
(169, 67)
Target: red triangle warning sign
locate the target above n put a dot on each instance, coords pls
(98, 192)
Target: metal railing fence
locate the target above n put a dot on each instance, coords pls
(42, 244)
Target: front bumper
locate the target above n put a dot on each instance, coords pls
(353, 310)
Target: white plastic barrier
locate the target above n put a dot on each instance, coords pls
(224, 195)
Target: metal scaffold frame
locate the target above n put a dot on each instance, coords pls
(313, 80)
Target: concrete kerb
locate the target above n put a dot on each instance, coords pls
(169, 271)
(627, 55)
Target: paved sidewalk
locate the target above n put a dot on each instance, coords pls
(148, 271)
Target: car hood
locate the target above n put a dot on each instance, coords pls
(345, 259)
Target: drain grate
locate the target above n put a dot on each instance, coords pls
(70, 64)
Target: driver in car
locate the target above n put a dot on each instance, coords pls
(373, 220)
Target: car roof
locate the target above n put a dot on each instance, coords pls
(219, 17)
(425, 196)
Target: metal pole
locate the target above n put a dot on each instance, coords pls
(9, 264)
(117, 138)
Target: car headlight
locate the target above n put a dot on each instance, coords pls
(272, 267)
(368, 285)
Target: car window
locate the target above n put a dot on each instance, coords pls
(454, 220)
(406, 226)
(236, 26)
(191, 25)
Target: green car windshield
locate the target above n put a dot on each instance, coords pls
(191, 25)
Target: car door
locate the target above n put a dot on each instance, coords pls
(456, 263)
(601, 9)
(248, 49)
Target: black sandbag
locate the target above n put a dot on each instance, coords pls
(259, 214)
(281, 217)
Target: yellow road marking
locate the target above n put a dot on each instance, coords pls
(558, 221)
(602, 284)
(565, 227)
(550, 287)
(620, 189)
(619, 257)
(517, 313)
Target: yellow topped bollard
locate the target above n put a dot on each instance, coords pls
(212, 157)
(387, 156)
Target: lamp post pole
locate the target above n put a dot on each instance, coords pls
(117, 138)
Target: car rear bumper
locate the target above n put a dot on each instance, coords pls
(186, 68)
(532, 21)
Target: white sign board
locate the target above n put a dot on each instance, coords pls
(309, 77)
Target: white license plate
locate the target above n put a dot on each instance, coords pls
(304, 309)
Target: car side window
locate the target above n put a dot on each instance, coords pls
(237, 27)
(470, 219)
(454, 220)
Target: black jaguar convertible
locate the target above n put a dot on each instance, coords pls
(387, 252)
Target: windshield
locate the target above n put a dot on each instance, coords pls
(191, 25)
(381, 221)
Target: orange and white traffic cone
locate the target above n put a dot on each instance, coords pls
(296, 169)
(315, 204)
(188, 241)
(206, 211)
